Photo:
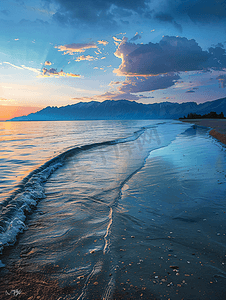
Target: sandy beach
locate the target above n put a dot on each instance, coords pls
(218, 127)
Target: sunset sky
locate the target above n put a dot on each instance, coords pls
(60, 52)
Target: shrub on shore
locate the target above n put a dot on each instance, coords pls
(211, 115)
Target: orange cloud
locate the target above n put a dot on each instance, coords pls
(87, 57)
(116, 39)
(102, 42)
(48, 63)
(9, 112)
(75, 48)
(113, 83)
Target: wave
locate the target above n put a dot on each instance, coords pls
(31, 190)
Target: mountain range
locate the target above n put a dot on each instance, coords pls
(123, 110)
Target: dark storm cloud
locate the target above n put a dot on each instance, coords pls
(106, 12)
(219, 45)
(217, 58)
(169, 19)
(150, 83)
(121, 12)
(98, 12)
(197, 10)
(171, 54)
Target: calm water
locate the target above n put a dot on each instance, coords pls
(25, 145)
(115, 204)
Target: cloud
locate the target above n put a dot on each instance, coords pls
(111, 96)
(113, 83)
(53, 72)
(192, 90)
(110, 13)
(23, 67)
(145, 97)
(108, 96)
(5, 12)
(150, 83)
(48, 63)
(222, 80)
(203, 11)
(75, 48)
(102, 42)
(17, 67)
(116, 39)
(87, 57)
(97, 13)
(127, 89)
(198, 11)
(171, 54)
(42, 11)
(121, 12)
(31, 69)
(164, 17)
(218, 57)
(36, 23)
(136, 37)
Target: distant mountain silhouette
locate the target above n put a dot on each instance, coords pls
(123, 110)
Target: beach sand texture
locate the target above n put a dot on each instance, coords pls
(218, 127)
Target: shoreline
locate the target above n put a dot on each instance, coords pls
(167, 237)
(218, 126)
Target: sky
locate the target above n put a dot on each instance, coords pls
(61, 52)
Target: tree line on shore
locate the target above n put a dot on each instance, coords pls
(211, 115)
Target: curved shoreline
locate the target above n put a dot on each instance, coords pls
(218, 126)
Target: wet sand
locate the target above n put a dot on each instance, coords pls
(218, 127)
(183, 255)
(22, 285)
